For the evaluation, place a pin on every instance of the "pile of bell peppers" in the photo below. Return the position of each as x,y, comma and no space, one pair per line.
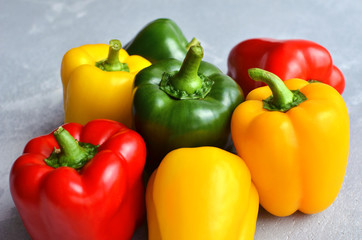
154,113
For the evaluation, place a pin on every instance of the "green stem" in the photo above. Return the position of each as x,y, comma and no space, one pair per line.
112,62
193,42
282,99
187,78
188,83
71,153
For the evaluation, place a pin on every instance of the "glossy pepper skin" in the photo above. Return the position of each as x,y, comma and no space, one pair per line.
201,193
285,58
104,199
296,148
160,39
185,104
96,86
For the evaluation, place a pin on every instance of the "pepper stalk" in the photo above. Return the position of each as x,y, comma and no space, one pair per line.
112,63
71,153
187,83
282,98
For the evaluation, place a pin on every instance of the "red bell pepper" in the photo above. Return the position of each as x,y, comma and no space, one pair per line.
59,198
285,58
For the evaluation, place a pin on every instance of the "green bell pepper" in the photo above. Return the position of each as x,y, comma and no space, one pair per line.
183,104
159,40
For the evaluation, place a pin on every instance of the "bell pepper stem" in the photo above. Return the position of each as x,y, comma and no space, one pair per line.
193,42
282,99
114,47
187,78
68,145
71,153
112,62
188,83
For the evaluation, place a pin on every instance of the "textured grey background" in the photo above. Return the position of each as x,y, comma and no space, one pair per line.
35,34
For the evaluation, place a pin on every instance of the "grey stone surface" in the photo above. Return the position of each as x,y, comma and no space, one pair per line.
35,34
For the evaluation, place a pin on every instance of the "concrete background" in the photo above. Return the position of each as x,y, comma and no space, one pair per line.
35,34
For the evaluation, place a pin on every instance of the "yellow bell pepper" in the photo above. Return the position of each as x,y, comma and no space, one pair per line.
295,143
96,86
201,193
